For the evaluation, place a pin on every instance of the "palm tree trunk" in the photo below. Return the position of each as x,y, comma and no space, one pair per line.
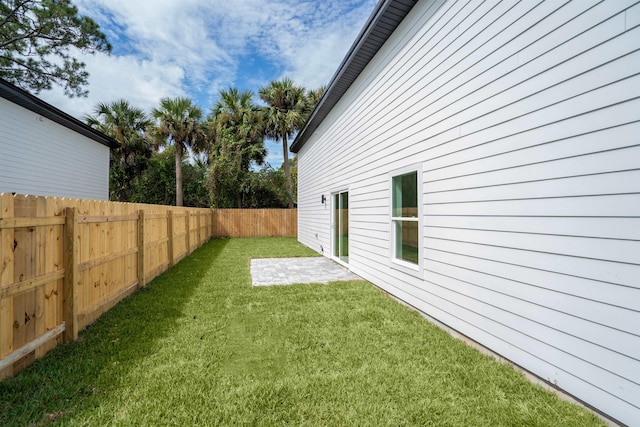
179,152
239,172
287,172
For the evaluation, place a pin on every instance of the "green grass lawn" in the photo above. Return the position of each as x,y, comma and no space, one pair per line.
200,346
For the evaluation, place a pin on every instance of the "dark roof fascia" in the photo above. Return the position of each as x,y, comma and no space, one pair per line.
24,99
371,38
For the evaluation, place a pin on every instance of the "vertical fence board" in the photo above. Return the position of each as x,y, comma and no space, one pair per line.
149,252
141,249
32,260
70,295
187,228
98,240
60,210
22,248
132,241
83,253
52,262
114,270
19,267
170,238
40,269
111,274
6,278
197,229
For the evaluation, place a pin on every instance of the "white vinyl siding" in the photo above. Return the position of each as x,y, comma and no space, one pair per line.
525,118
40,157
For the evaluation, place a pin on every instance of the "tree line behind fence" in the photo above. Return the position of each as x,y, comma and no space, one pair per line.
64,262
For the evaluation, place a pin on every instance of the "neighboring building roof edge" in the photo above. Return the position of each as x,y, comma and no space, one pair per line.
381,24
24,99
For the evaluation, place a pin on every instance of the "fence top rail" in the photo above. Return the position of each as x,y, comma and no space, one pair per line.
24,222
86,219
157,215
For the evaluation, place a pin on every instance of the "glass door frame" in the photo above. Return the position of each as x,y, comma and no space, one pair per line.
338,245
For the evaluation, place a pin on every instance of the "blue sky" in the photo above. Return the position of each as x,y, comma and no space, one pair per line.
194,48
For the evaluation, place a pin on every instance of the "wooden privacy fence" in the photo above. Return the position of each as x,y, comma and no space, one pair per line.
64,262
255,223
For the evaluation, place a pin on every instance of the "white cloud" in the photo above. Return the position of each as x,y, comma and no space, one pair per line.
313,59
308,39
197,47
141,82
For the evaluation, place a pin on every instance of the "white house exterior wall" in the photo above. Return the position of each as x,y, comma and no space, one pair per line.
40,157
525,117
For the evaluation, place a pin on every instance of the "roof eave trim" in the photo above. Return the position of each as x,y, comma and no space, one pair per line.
363,37
24,99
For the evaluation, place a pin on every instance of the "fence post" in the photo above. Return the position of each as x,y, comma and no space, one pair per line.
70,294
141,275
170,237
188,227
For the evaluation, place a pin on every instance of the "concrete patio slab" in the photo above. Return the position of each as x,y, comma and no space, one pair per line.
287,271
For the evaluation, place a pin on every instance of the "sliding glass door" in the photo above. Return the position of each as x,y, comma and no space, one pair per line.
340,225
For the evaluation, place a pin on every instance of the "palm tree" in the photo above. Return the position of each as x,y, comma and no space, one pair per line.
236,111
286,113
126,124
313,96
179,124
238,127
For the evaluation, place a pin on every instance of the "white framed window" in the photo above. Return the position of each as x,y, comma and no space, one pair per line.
340,226
406,222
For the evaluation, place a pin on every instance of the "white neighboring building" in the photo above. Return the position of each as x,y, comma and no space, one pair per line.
481,162
46,152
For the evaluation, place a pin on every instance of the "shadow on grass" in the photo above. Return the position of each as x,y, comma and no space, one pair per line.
76,375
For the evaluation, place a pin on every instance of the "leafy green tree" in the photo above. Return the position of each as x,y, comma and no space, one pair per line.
293,168
238,129
266,189
196,177
287,110
179,123
36,37
262,188
126,124
157,184
225,179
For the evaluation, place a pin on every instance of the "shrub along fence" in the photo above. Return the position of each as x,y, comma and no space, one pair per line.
64,262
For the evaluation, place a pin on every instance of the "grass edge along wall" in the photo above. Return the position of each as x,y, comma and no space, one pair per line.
522,122
64,262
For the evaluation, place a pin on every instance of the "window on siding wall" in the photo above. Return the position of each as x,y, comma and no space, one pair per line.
405,217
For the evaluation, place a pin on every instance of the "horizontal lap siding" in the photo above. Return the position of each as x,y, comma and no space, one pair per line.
525,118
41,157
